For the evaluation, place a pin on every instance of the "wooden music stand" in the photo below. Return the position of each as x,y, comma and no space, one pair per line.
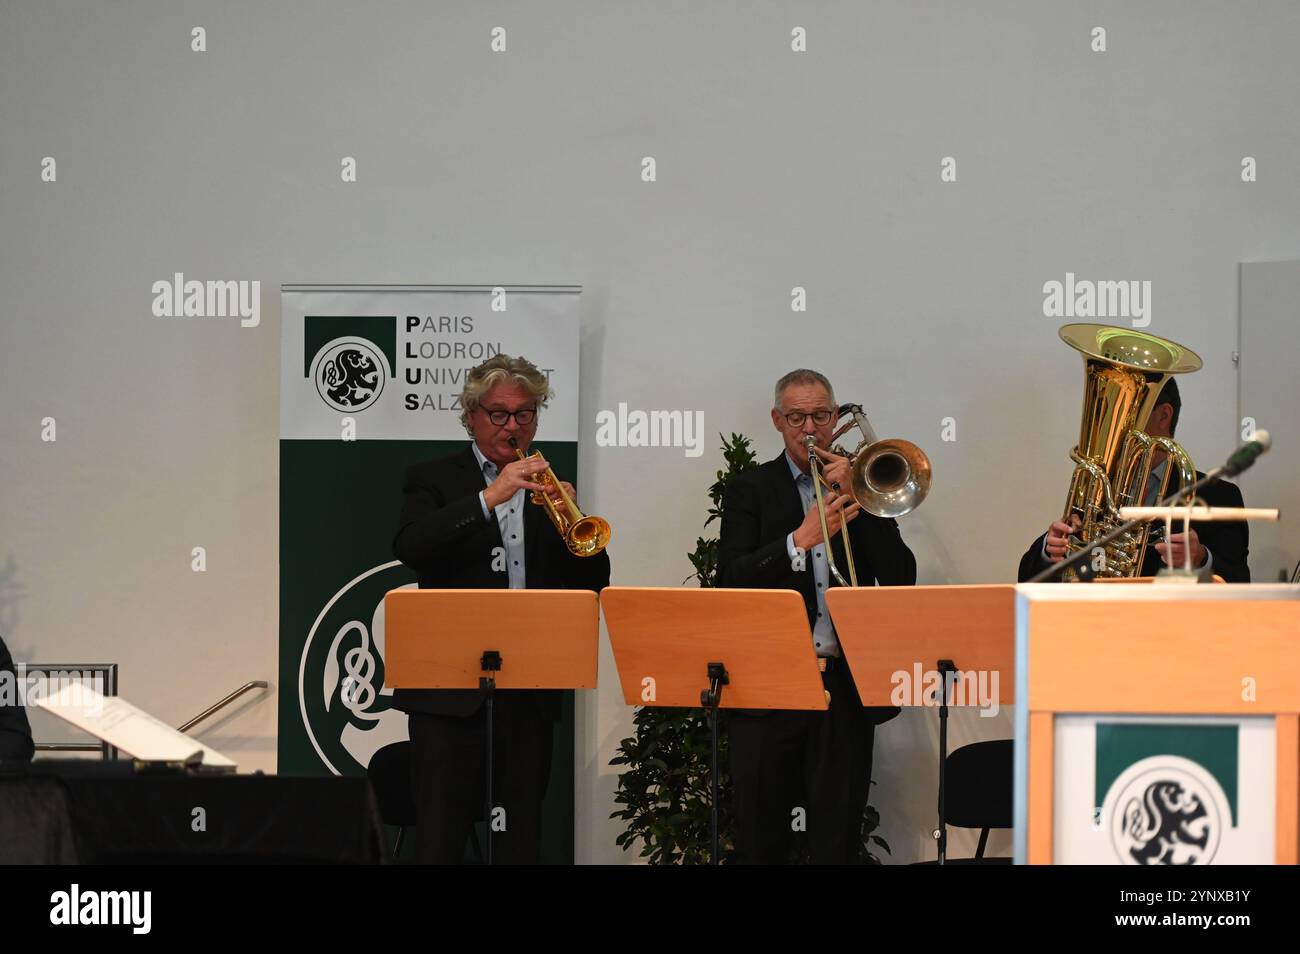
679,647
490,640
912,630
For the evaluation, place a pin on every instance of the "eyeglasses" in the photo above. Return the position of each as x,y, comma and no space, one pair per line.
522,417
820,418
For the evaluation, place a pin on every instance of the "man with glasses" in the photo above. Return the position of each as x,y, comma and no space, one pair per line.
771,538
467,523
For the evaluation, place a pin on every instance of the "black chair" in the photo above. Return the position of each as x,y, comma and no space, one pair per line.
979,784
389,772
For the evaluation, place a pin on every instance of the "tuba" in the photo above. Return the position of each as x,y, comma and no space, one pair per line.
1124,371
890,479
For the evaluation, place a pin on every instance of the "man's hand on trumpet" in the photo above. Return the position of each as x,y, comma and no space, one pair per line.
511,477
568,489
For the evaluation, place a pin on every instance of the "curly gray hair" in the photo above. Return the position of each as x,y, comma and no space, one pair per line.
493,371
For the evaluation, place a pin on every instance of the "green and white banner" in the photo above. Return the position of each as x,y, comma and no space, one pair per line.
370,379
1164,791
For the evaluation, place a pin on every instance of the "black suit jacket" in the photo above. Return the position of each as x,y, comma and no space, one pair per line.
15,731
443,536
760,509
1227,540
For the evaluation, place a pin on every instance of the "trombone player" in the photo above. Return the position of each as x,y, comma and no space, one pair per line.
466,522
772,537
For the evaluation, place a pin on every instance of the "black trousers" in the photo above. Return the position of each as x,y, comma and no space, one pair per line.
448,783
802,771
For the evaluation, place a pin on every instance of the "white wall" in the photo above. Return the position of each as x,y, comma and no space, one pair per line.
775,169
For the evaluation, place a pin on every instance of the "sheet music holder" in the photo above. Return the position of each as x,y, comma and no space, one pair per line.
149,741
715,649
490,640
949,630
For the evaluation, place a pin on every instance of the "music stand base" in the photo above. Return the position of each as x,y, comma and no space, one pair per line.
946,668
490,663
711,699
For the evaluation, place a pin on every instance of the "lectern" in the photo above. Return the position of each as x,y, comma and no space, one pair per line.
1157,724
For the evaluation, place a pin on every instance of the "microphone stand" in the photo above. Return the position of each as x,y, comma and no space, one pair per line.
1079,561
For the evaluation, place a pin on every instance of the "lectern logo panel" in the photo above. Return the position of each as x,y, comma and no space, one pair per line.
1166,810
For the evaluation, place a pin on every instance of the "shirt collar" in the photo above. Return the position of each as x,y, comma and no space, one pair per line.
1158,472
482,461
795,472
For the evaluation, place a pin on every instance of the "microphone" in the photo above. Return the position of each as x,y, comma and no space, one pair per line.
1244,456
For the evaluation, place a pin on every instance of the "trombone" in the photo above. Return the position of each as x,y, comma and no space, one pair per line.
818,481
584,535
890,479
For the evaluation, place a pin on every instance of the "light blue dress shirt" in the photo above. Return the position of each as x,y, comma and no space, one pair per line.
824,639
510,518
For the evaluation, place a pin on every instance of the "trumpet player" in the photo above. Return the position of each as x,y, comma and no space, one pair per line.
466,522
772,537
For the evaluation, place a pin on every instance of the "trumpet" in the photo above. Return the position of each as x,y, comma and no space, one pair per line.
584,535
890,478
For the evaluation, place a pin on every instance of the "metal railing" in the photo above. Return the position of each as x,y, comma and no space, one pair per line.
246,687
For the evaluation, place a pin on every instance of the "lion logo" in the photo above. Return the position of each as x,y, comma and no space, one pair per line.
1166,810
349,375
